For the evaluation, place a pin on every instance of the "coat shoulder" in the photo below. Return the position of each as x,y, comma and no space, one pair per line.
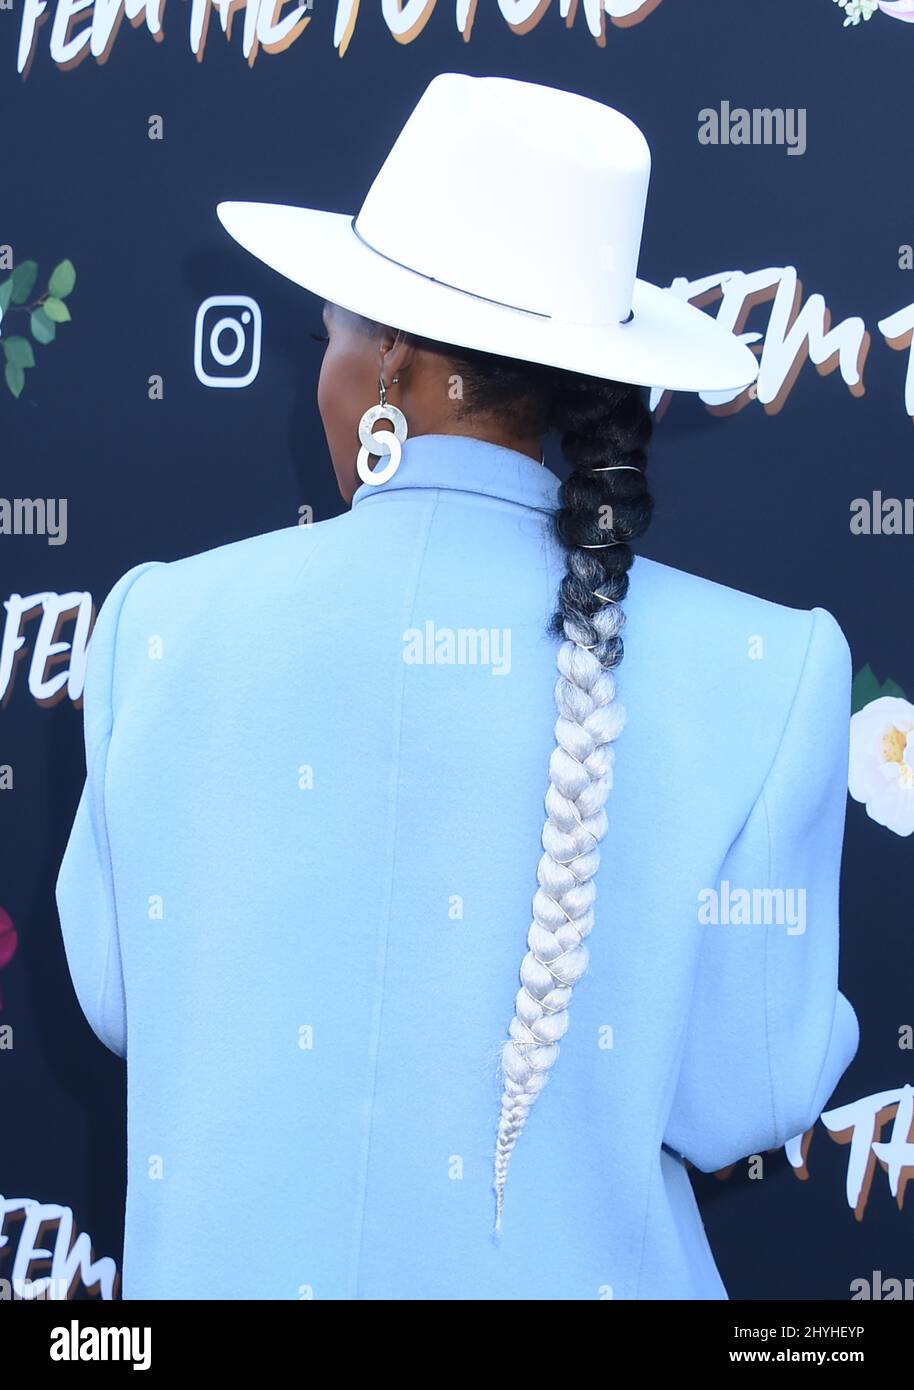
683,592
721,686
732,664
687,610
262,561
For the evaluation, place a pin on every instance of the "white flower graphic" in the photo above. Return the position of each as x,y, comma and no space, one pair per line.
881,772
857,10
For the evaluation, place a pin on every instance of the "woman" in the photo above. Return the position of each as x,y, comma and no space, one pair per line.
297,889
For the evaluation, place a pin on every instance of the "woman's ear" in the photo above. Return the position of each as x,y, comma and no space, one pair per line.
395,354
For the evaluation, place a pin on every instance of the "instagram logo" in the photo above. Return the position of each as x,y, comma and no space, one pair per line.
227,336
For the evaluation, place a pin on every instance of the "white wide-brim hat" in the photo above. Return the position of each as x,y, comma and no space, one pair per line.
507,217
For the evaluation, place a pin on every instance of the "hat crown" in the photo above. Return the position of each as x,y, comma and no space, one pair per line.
527,195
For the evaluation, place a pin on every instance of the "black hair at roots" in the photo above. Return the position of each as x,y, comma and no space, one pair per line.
601,424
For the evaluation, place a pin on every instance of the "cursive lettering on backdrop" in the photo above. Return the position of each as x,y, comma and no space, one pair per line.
79,29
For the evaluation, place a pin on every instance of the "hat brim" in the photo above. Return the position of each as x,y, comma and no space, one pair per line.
668,343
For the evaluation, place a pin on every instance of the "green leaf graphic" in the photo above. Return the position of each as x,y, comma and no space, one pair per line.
15,378
63,278
866,688
43,330
23,278
18,351
43,318
56,310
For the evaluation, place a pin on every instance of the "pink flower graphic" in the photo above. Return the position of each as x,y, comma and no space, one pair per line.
8,941
898,9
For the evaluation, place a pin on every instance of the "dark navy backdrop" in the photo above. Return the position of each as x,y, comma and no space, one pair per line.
757,499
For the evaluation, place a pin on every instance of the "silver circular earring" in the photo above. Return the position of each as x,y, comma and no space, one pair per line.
388,442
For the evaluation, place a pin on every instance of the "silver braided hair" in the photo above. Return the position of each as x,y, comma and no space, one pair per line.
605,428
580,777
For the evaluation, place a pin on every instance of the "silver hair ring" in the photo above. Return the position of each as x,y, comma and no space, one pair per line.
570,920
583,827
564,984
616,468
567,863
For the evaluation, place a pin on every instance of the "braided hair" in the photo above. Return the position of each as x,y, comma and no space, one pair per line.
604,427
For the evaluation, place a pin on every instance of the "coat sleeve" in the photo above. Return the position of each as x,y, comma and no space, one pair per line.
85,886
769,1033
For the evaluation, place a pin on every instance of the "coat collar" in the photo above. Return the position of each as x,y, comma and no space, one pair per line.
460,463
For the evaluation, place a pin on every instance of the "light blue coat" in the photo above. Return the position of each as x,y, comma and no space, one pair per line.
297,893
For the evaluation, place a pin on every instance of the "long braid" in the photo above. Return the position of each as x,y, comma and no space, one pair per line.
605,430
